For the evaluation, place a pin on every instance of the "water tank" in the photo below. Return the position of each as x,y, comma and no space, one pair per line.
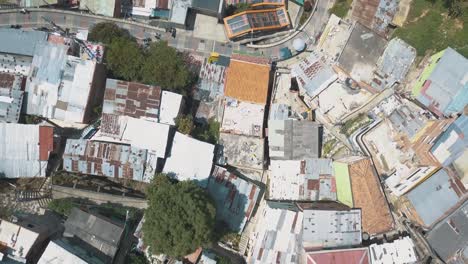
299,44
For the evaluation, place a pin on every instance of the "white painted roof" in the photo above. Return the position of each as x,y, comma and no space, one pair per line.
19,240
55,254
190,159
400,251
170,107
402,181
242,118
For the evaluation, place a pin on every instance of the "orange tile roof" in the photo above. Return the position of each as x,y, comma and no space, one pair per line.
368,195
247,81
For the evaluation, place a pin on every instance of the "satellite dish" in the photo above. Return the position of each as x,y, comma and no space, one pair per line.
299,44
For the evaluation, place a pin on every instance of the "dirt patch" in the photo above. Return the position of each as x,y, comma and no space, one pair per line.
423,14
458,24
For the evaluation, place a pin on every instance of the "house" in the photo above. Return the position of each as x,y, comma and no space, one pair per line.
442,87
276,237
449,237
241,151
358,186
108,8
338,256
443,191
375,14
25,150
302,180
248,79
105,159
11,97
210,81
401,182
243,118
293,139
171,104
132,99
72,251
235,197
399,251
62,87
18,48
20,241
313,74
96,231
326,229
256,21
185,164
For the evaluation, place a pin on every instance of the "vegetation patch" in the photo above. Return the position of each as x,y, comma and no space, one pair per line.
341,8
433,25
350,126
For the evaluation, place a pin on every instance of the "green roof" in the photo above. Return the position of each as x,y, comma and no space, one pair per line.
343,183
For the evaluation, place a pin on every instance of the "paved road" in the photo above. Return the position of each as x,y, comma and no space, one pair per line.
183,41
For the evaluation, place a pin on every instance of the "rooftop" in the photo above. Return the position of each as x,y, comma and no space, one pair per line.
256,20
170,107
256,2
15,64
442,191
340,256
95,231
313,74
11,97
138,133
18,240
56,253
59,85
276,237
324,229
132,99
247,81
368,195
183,164
449,238
453,142
21,42
235,197
334,37
401,182
376,14
302,180
24,150
361,53
178,10
399,251
99,7
408,120
443,85
242,151
242,118
104,159
293,139
211,81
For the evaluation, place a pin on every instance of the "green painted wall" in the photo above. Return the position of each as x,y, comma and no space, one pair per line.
427,73
343,183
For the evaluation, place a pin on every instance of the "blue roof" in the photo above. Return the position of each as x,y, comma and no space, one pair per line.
434,197
20,42
457,147
447,86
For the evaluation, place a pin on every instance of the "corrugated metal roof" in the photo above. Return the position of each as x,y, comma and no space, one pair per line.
211,82
20,42
408,120
449,238
132,99
11,97
179,10
453,142
445,91
104,159
235,197
302,180
331,229
313,74
440,191
276,238
293,139
20,151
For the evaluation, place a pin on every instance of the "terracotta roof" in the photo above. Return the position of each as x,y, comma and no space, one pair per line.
368,195
247,81
46,142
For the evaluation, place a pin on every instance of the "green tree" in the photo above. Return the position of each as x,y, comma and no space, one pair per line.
165,66
136,258
124,59
184,124
106,32
179,219
208,133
